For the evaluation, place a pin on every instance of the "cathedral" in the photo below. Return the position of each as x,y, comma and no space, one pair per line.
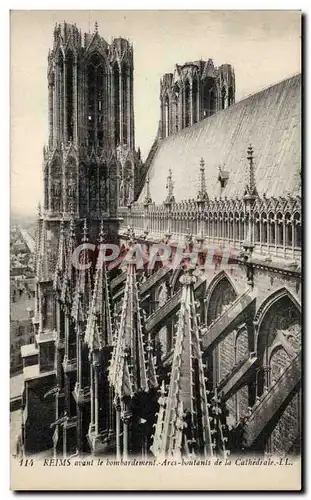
197,354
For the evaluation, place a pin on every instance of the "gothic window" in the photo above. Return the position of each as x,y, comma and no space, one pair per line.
96,82
116,86
187,104
237,226
288,230
242,236
176,101
230,96
225,226
281,323
280,230
264,228
69,94
256,227
221,296
195,100
61,93
297,229
125,89
166,117
223,98
230,225
209,97
272,228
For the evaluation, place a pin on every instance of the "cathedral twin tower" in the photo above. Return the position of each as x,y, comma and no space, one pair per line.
90,166
91,151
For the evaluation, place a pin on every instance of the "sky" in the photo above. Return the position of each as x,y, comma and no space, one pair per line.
262,46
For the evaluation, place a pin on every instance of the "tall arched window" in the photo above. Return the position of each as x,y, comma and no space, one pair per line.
264,228
288,230
187,105
96,95
69,94
223,98
272,228
125,102
297,229
195,100
166,116
230,96
116,86
256,227
209,97
280,229
61,94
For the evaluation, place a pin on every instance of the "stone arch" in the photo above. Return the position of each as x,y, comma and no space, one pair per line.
225,283
220,293
278,323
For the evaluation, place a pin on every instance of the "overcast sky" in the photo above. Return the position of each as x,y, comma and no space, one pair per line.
263,47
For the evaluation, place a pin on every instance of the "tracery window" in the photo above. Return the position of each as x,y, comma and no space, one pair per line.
187,105
116,86
297,229
272,228
288,230
96,81
264,228
69,94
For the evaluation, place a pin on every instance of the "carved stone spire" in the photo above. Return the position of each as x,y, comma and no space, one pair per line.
99,326
70,270
183,427
202,193
83,286
131,369
250,189
170,189
148,198
61,260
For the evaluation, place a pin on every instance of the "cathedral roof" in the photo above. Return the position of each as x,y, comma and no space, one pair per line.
269,120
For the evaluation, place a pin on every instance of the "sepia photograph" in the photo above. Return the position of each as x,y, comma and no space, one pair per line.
155,250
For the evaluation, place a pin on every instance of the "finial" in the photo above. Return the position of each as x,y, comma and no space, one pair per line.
84,236
202,194
39,210
251,187
170,188
148,198
96,28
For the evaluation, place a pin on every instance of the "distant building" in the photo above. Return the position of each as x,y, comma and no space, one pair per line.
193,92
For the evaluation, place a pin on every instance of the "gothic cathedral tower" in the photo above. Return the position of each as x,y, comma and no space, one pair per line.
90,169
90,163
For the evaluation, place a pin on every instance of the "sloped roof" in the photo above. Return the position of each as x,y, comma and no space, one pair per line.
270,120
